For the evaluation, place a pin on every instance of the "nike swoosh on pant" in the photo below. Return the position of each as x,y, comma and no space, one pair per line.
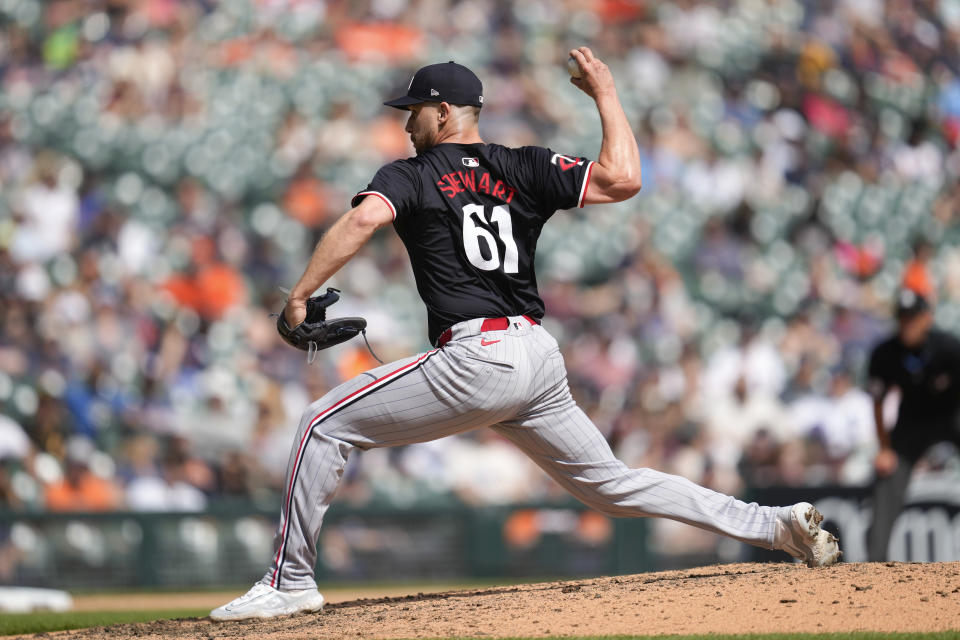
485,343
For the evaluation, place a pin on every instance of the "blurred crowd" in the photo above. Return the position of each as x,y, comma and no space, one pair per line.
167,165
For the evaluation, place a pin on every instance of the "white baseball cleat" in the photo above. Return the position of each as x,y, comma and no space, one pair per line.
263,601
803,538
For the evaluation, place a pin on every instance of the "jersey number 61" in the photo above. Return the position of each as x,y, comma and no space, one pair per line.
472,232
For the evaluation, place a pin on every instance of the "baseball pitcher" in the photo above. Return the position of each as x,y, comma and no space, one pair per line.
470,213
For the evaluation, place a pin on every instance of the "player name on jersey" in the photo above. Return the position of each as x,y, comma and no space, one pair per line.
476,181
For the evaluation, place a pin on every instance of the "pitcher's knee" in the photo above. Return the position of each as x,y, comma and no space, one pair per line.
316,427
335,432
615,495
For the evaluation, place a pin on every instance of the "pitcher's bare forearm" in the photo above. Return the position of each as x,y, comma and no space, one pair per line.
335,249
883,437
619,153
616,172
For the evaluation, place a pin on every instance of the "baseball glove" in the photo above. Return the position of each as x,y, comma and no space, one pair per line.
316,333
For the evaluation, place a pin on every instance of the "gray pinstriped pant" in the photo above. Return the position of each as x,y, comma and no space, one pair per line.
513,381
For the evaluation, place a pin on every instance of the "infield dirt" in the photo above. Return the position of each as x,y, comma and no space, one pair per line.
737,598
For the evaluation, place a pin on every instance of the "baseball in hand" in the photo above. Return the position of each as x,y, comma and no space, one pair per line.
574,67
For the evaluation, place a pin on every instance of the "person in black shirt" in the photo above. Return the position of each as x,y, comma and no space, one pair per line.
923,364
470,213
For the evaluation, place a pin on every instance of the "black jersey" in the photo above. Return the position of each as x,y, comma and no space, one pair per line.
470,216
929,381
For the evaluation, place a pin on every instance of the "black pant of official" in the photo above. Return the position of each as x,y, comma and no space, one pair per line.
889,496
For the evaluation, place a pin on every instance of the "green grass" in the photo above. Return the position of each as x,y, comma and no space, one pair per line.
16,623
27,623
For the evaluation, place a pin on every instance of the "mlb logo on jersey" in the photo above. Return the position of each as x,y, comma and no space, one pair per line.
565,162
470,162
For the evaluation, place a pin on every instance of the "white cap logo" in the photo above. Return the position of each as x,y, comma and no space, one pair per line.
411,83
434,92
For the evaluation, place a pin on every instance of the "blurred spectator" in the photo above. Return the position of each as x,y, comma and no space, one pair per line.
754,363
484,468
234,479
760,464
8,497
306,198
48,211
140,459
81,489
14,443
849,426
209,287
171,490
916,275
193,469
737,418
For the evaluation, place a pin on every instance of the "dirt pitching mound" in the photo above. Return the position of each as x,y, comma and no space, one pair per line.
737,598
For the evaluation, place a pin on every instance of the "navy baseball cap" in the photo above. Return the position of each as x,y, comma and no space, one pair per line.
444,82
909,304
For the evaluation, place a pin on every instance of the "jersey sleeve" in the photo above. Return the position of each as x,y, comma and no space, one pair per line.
559,181
397,184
